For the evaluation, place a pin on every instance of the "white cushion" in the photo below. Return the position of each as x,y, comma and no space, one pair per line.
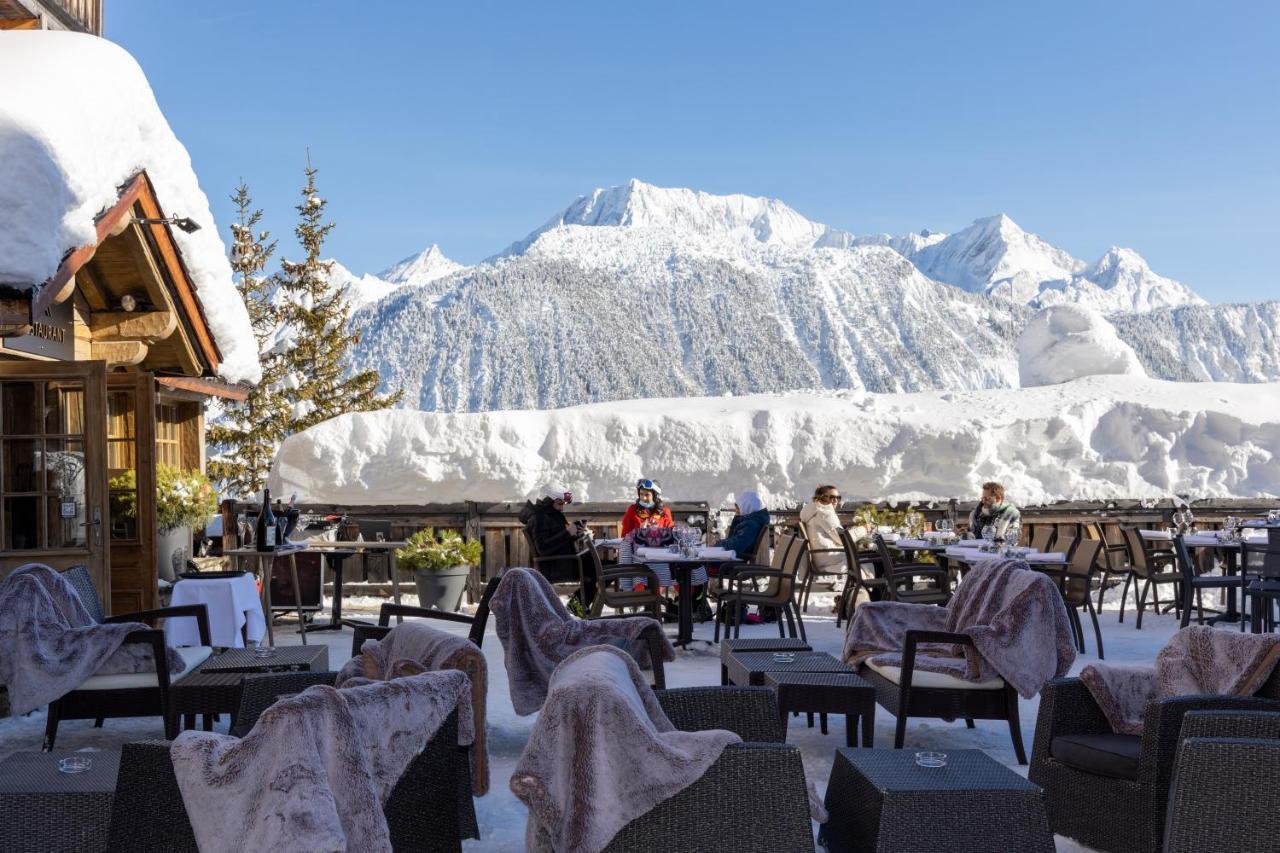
192,657
922,678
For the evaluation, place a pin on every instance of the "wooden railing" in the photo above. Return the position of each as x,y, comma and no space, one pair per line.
498,527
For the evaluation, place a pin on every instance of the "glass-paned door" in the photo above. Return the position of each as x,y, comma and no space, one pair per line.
52,471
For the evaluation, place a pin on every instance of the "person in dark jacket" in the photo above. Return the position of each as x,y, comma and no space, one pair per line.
552,535
745,529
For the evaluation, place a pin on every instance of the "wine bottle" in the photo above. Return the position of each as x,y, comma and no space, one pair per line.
265,533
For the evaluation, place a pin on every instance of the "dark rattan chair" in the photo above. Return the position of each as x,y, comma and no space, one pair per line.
1224,794
876,587
609,589
1260,561
430,808
901,579
1147,568
1110,791
752,799
1192,582
128,695
779,589
843,570
904,693
1075,580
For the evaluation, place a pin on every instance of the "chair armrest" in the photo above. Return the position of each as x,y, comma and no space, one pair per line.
260,692
389,610
1231,724
361,631
199,611
1066,708
1162,728
754,574
913,638
1223,795
749,712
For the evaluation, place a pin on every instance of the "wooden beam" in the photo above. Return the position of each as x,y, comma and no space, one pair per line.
31,23
119,353
208,387
146,326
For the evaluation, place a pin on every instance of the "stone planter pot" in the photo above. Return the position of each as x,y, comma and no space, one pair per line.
173,549
441,589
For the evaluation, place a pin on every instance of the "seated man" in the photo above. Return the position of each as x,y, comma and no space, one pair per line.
553,535
994,513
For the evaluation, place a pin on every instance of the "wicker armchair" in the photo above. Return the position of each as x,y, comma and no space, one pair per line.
609,589
143,694
1110,791
430,808
752,799
1226,758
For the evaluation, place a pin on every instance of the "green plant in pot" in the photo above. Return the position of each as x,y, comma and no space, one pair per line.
184,500
441,563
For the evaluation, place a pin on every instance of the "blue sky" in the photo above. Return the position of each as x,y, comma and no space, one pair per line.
1148,125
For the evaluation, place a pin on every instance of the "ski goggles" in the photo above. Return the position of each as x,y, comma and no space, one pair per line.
646,484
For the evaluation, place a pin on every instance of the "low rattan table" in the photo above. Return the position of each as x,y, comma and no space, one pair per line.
776,644
828,693
881,800
747,669
214,688
45,811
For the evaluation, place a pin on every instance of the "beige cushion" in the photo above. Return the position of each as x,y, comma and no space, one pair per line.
922,678
192,657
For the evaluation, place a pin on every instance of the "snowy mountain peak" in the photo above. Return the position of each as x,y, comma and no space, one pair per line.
740,218
426,266
1121,280
361,289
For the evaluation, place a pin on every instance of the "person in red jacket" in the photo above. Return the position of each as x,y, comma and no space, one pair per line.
648,510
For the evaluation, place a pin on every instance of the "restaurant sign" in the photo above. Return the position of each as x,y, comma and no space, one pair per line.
51,335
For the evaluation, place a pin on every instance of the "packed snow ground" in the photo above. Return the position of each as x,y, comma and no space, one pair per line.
78,120
502,816
1095,438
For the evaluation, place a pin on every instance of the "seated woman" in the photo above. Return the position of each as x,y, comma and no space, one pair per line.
749,522
648,509
553,535
823,526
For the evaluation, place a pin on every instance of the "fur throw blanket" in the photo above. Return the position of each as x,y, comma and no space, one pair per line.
49,644
1198,660
537,633
415,647
313,774
1015,616
602,753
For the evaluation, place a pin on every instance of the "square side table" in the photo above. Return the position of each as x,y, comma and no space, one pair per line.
881,800
828,693
43,810
748,668
778,644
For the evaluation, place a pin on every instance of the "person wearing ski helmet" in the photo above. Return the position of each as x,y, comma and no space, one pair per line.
648,509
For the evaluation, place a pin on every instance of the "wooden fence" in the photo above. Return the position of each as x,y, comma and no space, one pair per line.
498,527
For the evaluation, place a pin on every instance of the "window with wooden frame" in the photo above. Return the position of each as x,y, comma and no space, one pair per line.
169,419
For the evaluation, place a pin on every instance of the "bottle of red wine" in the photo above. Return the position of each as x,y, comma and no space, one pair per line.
265,532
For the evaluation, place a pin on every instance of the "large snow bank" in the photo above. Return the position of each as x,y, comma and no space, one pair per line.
1065,342
1094,438
77,120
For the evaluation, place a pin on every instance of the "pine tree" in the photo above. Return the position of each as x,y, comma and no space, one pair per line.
248,432
317,317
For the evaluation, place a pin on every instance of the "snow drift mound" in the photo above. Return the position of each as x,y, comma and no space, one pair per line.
1065,342
1095,438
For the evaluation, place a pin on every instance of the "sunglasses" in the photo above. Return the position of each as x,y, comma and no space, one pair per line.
828,498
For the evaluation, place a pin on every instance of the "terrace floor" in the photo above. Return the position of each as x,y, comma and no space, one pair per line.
502,817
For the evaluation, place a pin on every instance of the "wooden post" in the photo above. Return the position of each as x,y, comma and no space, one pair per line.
230,526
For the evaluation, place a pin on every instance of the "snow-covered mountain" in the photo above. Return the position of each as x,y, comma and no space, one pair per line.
641,291
360,289
423,268
602,313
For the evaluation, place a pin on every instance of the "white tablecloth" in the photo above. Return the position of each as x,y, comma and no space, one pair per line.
232,603
1035,557
1202,540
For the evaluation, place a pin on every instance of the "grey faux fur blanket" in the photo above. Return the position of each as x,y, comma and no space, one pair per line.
49,644
313,774
603,753
415,647
1015,616
537,633
1197,660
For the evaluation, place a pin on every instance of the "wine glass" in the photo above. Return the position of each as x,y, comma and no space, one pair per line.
989,536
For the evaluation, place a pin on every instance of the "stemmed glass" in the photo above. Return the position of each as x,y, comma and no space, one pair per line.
989,535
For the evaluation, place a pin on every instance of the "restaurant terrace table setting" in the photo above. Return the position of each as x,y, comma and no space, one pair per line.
233,604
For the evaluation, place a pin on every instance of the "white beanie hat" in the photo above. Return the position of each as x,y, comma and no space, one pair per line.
556,492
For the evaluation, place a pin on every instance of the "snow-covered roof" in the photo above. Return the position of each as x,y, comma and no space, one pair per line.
77,120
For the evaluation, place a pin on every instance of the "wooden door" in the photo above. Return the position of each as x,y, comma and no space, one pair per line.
53,476
131,467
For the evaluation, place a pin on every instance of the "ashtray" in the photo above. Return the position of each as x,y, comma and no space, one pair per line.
264,652
931,759
74,764
784,657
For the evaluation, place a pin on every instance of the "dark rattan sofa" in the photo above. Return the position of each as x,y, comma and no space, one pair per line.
1110,791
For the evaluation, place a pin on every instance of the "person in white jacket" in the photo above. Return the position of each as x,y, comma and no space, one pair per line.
823,526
